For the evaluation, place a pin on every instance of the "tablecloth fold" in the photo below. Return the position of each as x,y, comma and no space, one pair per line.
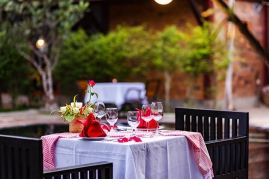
48,142
201,155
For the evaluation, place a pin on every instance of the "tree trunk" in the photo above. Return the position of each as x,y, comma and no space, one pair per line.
45,71
167,85
190,91
1,101
47,83
229,74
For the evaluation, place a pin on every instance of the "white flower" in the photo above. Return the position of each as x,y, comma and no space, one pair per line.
76,110
63,109
89,110
78,104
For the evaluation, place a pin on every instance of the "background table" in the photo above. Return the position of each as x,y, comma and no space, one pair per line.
115,93
155,158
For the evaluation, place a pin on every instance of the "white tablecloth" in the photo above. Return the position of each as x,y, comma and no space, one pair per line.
115,92
155,158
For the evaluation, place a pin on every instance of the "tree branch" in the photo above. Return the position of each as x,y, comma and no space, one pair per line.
29,58
196,12
56,58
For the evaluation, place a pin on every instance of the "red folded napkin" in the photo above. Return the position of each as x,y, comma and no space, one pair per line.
152,124
92,128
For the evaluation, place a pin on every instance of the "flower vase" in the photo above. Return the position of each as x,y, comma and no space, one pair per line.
74,126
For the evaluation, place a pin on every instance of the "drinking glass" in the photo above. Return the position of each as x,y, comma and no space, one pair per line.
146,115
112,117
133,120
157,112
99,110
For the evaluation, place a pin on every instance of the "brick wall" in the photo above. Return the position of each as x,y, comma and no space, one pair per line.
248,66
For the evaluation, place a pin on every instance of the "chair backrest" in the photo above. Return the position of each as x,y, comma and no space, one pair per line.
226,135
81,85
152,87
20,157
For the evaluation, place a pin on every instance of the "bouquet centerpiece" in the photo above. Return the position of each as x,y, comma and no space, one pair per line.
78,111
70,111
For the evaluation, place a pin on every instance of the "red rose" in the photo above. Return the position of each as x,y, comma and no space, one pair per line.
91,83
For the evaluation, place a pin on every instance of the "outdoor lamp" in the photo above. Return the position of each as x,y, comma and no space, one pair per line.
163,2
40,43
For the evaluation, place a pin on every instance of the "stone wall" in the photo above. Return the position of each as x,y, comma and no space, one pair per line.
258,153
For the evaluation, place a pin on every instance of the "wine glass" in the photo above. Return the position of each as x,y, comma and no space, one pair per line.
133,120
146,115
99,110
157,112
111,117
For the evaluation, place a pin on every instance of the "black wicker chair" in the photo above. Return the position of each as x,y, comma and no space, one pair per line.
152,87
226,135
22,158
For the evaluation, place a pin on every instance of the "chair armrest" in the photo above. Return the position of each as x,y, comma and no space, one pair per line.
219,142
105,169
133,89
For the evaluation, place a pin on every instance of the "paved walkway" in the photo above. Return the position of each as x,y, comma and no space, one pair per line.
259,118
28,117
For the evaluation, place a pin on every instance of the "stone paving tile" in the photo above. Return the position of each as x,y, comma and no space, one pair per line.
258,117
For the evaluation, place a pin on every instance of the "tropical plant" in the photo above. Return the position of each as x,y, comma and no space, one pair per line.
167,56
205,53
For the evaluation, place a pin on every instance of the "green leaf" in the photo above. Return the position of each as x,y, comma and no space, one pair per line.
70,118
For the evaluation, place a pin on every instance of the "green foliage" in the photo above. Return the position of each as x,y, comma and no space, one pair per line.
25,21
194,52
119,54
167,49
31,18
14,72
197,52
130,52
204,53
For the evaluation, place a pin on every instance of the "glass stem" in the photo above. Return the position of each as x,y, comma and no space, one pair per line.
90,95
157,128
147,127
